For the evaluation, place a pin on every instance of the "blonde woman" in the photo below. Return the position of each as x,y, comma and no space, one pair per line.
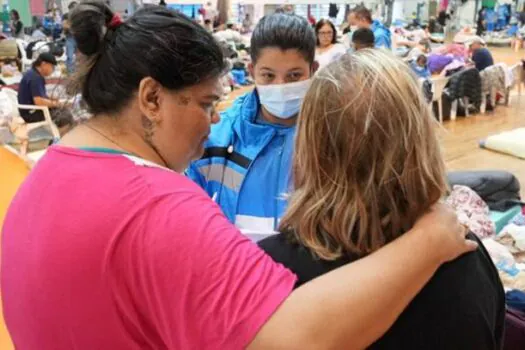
367,165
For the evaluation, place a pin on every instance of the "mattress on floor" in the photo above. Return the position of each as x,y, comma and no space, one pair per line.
509,142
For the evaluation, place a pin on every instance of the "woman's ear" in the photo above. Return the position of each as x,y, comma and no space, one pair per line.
149,98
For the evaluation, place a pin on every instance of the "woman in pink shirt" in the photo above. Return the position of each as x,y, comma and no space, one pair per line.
107,246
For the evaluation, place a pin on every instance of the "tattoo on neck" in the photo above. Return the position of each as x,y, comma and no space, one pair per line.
148,129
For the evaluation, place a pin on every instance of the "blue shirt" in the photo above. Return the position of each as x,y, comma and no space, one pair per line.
482,58
32,85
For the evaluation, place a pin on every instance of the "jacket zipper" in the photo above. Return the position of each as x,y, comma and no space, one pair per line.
278,182
248,170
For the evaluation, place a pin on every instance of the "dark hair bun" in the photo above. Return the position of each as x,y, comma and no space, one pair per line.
89,22
154,42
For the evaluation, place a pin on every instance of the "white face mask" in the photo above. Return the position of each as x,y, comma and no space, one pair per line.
283,100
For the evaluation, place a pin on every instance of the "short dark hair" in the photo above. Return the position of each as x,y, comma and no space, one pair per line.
322,23
422,58
154,42
286,32
364,37
44,57
362,12
229,26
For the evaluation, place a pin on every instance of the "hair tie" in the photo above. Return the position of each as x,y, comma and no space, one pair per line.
115,22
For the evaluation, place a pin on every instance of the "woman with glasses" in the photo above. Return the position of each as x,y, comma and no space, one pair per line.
328,49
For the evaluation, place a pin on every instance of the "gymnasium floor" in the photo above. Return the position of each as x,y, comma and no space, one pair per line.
460,138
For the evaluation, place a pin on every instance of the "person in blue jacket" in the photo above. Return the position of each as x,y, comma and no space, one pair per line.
361,17
247,161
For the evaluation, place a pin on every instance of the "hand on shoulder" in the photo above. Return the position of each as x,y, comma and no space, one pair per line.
443,233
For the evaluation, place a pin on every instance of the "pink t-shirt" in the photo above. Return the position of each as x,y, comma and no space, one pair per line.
100,251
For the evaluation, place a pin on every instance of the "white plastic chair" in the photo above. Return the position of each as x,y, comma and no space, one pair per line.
517,74
438,85
25,62
20,129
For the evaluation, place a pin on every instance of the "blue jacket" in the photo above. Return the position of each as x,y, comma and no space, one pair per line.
383,37
246,166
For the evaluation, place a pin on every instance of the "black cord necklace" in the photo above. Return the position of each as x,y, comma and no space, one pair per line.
107,138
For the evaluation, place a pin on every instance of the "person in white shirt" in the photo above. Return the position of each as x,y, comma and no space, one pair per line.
328,49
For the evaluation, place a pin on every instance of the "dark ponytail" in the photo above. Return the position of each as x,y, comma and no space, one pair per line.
155,42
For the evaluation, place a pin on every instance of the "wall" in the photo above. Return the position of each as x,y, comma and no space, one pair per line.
22,6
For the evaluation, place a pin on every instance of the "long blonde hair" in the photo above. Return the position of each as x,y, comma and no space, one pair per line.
367,160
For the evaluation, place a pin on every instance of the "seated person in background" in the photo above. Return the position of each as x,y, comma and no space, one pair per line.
480,55
380,170
38,33
247,159
421,48
361,17
420,67
32,91
328,49
363,38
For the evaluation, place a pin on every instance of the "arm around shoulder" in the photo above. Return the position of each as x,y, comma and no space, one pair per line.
353,297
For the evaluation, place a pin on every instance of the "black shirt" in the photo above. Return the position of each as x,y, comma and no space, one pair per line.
461,308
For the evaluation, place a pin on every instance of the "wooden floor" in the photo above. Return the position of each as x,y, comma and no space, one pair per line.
460,138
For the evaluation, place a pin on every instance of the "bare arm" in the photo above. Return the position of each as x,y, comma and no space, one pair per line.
356,304
47,102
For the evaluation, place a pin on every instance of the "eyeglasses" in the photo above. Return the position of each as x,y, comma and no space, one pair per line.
326,33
